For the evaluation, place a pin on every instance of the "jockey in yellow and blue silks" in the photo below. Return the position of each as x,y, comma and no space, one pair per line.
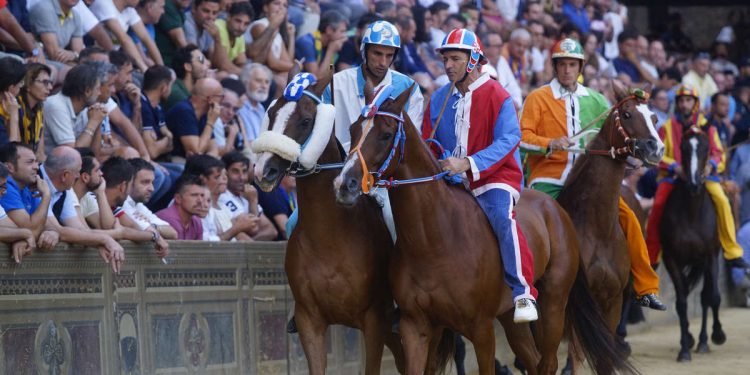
479,123
687,114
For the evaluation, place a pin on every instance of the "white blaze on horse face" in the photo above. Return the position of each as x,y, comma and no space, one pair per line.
648,116
282,117
351,162
260,165
694,161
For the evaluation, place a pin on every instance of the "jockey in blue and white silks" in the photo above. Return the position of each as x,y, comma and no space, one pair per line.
380,45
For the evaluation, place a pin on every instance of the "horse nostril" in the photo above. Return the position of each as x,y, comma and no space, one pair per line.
351,184
651,145
271,173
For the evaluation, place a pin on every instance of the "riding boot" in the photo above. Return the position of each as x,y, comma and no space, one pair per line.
652,302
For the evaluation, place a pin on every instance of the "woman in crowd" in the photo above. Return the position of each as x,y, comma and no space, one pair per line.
281,56
37,84
11,81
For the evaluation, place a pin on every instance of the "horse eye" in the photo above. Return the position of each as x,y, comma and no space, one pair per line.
626,115
306,122
386,136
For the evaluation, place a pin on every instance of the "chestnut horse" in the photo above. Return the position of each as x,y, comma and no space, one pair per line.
690,243
447,272
336,258
592,191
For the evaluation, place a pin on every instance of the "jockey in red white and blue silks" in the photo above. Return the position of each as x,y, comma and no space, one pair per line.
482,126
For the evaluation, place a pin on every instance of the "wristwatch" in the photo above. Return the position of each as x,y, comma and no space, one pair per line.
35,52
154,236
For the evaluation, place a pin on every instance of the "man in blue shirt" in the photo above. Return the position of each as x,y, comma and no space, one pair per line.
192,120
319,49
628,62
26,208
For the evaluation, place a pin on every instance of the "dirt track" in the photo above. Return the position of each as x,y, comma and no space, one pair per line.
655,347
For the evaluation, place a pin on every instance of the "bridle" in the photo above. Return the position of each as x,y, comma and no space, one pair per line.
631,144
373,179
369,178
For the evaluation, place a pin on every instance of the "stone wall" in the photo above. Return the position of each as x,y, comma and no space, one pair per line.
213,309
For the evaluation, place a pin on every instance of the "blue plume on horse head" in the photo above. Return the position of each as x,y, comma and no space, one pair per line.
296,87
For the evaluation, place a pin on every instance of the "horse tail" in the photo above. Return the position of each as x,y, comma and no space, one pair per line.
585,319
445,350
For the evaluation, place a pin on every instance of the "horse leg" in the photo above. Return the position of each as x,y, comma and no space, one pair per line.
706,296
718,336
483,338
373,330
393,342
521,341
415,336
549,328
681,291
312,334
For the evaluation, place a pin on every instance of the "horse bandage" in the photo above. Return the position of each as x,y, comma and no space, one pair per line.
321,134
277,143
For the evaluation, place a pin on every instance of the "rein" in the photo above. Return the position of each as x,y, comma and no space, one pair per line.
630,147
372,179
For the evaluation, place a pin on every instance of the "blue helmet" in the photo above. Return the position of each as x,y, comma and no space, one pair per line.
381,33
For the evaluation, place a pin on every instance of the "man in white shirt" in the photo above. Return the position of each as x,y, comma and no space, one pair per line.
60,171
493,47
242,198
119,16
140,193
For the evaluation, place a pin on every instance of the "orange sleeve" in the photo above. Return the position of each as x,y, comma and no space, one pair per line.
532,138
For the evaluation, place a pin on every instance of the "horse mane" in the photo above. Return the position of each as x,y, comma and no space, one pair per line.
390,105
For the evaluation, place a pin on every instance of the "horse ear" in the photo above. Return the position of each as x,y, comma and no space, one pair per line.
619,88
296,68
368,91
647,87
401,100
323,82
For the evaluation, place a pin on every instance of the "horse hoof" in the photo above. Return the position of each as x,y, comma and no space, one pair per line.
718,337
702,348
623,347
518,365
684,356
691,341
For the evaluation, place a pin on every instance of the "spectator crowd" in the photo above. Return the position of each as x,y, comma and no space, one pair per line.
133,119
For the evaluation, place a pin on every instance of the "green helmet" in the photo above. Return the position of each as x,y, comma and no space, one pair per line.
569,48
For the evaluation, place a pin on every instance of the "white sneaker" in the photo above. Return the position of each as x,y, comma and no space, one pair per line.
525,311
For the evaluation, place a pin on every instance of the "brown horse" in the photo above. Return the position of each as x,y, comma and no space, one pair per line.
690,243
447,272
336,258
592,190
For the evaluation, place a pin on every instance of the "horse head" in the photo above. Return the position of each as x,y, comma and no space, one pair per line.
296,129
694,150
377,136
634,123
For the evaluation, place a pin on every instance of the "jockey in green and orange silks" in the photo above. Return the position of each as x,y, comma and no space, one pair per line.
552,117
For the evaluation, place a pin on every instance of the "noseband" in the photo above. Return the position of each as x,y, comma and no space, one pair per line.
631,144
368,177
